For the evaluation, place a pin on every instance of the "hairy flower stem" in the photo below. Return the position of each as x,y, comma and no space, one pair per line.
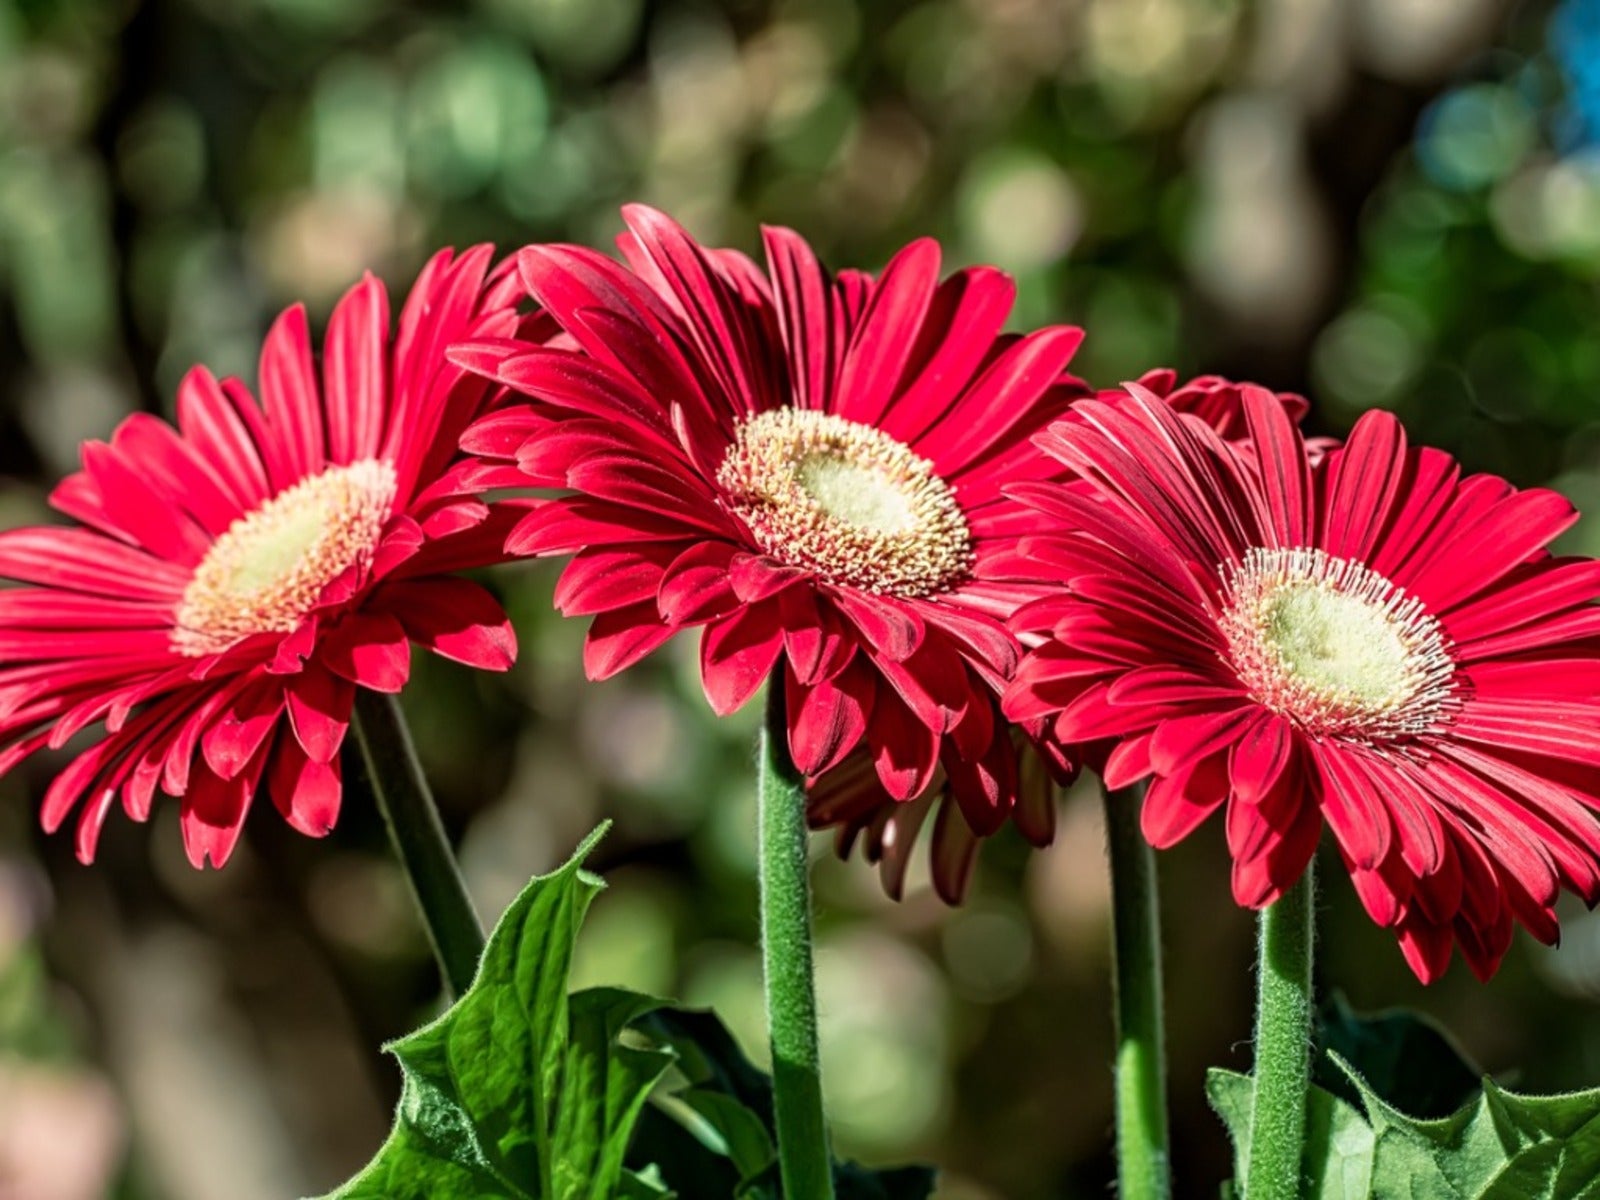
787,962
1283,1045
418,836
1143,1172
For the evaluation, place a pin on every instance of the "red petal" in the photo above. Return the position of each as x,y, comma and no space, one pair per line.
1260,757
985,787
1180,741
455,618
1354,811
239,731
882,346
319,711
213,814
905,751
828,719
355,370
737,654
695,587
306,792
289,391
211,425
1128,763
370,650
1426,948
890,628
621,637
755,577
954,851
1175,805
292,652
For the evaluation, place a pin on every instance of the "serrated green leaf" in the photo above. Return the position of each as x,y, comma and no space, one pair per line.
520,1092
1231,1095
692,1162
852,1181
604,1086
732,1099
1498,1145
515,1091
1405,1057
406,1169
745,1140
1339,1142
709,1057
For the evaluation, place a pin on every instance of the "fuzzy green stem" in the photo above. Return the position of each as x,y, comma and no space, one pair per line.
1283,1045
418,836
1143,1171
803,1154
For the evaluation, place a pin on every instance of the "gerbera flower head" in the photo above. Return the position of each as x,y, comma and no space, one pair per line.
1371,641
808,468
233,580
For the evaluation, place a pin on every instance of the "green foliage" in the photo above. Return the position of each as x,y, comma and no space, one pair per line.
1360,1143
521,1091
1404,1057
1499,1146
518,1091
1339,1144
732,1100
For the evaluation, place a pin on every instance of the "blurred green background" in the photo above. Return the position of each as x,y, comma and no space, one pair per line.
1376,202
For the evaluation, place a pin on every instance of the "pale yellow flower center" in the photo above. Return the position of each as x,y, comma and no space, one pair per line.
1335,646
269,569
847,501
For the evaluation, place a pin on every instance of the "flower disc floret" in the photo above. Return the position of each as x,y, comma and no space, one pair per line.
267,571
1335,646
846,501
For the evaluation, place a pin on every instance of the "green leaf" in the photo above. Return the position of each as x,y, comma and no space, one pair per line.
729,1112
602,1090
644,1185
710,1057
522,1092
691,1160
731,1096
406,1166
1339,1142
516,1091
1361,1143
1499,1146
744,1139
1404,1057
852,1181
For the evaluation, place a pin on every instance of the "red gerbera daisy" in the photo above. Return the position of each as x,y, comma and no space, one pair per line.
241,575
1371,641
809,468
